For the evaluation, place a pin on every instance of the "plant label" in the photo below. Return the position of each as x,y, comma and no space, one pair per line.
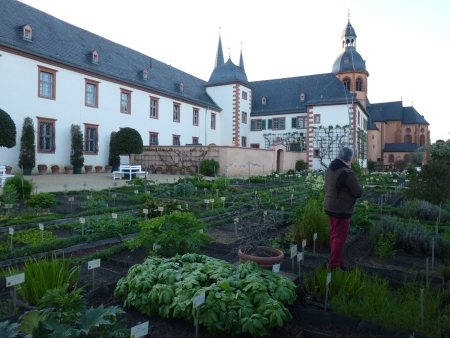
145,211
41,226
71,199
160,208
89,197
265,212
11,231
303,243
276,268
8,206
205,189
139,330
293,251
199,300
200,231
114,216
94,264
16,279
236,220
156,246
82,220
299,256
207,201
223,199
315,236
282,208
328,278
136,192
113,195
211,200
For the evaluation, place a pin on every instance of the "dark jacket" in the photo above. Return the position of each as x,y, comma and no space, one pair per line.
342,189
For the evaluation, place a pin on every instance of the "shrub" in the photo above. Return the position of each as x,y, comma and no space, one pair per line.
15,183
76,150
42,200
113,157
300,165
7,130
128,141
182,189
209,167
356,167
221,183
423,210
27,154
33,236
384,247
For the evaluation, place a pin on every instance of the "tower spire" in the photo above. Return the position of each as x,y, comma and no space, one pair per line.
219,55
241,59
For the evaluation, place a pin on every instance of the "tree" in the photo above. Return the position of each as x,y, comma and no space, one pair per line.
27,155
7,130
438,151
76,150
416,158
128,141
114,156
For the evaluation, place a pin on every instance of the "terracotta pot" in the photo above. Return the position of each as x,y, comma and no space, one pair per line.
177,171
158,170
42,169
108,169
151,170
189,172
98,170
169,171
68,170
55,170
264,262
8,170
88,170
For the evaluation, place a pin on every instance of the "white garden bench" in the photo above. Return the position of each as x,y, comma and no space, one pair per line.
130,170
3,175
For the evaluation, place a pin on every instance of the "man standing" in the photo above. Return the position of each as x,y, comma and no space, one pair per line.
342,189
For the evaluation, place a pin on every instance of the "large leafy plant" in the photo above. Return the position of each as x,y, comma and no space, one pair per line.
239,299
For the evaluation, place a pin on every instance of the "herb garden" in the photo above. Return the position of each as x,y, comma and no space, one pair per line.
98,263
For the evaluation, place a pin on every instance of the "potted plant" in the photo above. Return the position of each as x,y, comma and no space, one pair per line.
68,169
76,151
188,171
151,169
169,170
88,168
113,157
8,169
158,170
42,168
265,256
371,166
55,168
177,170
27,155
98,169
108,169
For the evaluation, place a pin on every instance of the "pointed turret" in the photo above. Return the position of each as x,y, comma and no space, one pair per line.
241,60
219,56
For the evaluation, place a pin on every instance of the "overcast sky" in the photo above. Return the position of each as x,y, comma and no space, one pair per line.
406,43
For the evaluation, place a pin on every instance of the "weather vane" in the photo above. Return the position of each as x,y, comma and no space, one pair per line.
229,52
348,12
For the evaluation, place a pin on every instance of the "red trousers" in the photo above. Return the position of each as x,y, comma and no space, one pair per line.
339,228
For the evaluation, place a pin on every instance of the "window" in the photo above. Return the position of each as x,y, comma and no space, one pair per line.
254,145
316,118
195,140
213,121
154,107
27,32
176,112
407,160
195,117
264,101
244,141
90,139
46,135
244,117
145,74
47,83
408,139
125,101
244,95
181,87
316,153
359,84
294,146
346,82
91,94
257,124
422,140
153,139
302,97
176,140
278,123
95,57
391,158
302,122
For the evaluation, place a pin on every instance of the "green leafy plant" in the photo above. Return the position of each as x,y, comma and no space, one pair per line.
239,299
184,190
8,330
33,236
41,200
176,233
128,141
27,155
114,156
7,130
106,225
94,203
384,247
76,150
300,165
209,167
15,183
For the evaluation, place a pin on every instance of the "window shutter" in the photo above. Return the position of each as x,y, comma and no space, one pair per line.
294,123
269,125
252,124
53,137
282,124
263,124
96,140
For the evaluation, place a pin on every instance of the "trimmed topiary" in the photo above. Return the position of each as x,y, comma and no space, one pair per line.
128,141
7,130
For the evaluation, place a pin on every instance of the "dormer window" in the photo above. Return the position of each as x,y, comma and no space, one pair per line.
95,57
145,74
181,87
264,101
27,32
302,97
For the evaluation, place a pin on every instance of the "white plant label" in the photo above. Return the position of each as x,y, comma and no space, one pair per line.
276,268
94,264
293,251
145,211
114,216
160,208
41,226
200,231
156,246
315,236
303,243
16,279
11,231
82,220
199,300
236,219
136,192
328,278
223,199
139,330
207,201
71,199
299,256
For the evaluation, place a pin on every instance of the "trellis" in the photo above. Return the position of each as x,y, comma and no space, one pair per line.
329,140
295,141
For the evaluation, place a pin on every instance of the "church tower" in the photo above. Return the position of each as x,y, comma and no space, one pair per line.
350,67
